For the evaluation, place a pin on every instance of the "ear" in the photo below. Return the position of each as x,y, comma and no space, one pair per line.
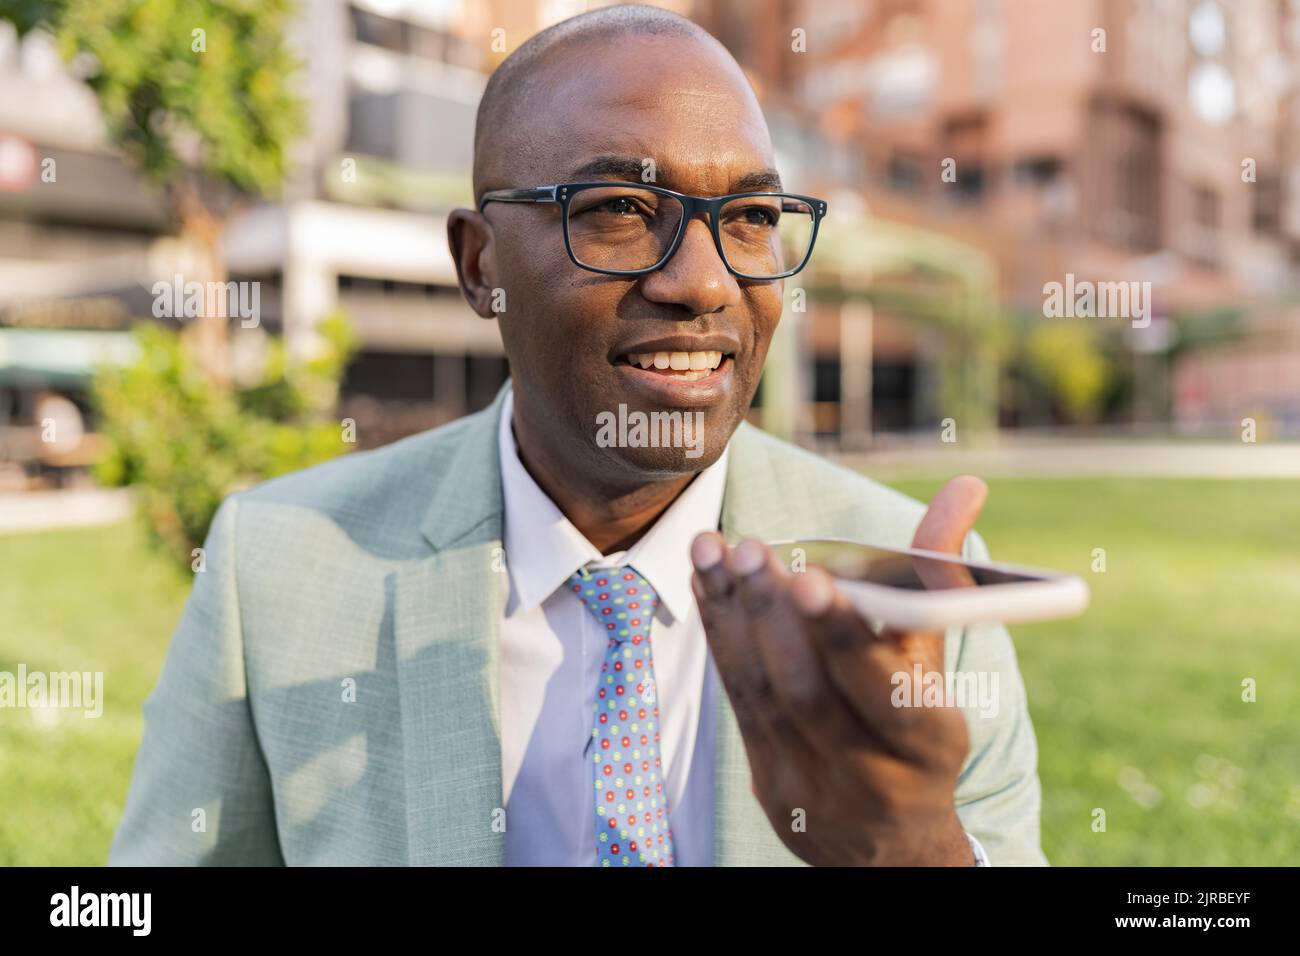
473,247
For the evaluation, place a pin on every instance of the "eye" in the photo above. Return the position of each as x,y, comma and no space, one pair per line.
620,205
613,207
758,216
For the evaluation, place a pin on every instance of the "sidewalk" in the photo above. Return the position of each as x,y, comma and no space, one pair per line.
78,508
1084,459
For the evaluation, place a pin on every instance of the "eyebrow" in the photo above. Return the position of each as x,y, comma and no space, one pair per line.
762,179
630,167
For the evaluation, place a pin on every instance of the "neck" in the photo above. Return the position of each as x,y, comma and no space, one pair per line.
611,518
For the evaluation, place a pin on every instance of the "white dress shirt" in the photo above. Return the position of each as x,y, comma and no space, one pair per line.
551,653
552,650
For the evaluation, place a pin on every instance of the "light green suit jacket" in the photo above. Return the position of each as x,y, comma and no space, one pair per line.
331,693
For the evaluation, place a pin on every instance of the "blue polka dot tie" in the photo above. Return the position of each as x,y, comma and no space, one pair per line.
631,803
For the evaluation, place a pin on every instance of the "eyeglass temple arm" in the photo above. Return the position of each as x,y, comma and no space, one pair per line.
535,194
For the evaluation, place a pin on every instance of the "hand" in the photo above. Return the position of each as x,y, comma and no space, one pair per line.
811,687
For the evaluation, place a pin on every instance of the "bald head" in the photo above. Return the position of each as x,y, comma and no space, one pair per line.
618,96
515,103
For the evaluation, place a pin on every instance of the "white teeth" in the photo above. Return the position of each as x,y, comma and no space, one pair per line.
689,365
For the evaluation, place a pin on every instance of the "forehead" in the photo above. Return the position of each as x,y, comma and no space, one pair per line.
678,102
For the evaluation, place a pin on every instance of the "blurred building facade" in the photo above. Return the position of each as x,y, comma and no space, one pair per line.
76,230
1107,139
1115,140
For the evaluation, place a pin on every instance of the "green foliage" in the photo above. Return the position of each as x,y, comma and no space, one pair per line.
172,75
1065,358
185,443
26,15
1208,329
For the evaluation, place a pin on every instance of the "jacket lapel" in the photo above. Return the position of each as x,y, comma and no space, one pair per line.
742,835
753,506
447,611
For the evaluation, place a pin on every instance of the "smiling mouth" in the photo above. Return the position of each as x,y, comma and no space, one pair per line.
686,366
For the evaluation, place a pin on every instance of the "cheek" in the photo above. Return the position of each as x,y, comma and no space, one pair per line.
529,268
557,329
535,287
765,307
768,304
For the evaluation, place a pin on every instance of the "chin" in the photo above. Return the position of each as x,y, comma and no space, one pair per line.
663,442
660,463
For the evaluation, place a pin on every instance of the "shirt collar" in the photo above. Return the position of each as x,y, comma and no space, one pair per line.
543,547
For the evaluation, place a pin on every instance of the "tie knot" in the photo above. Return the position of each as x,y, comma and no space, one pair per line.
620,598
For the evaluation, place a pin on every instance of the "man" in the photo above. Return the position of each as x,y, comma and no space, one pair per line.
486,644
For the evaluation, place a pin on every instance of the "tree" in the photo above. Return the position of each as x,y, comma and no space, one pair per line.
1066,359
196,93
186,443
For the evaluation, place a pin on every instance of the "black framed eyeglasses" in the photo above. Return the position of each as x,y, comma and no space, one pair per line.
627,229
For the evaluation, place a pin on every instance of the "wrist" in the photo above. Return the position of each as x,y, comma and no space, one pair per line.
951,846
937,841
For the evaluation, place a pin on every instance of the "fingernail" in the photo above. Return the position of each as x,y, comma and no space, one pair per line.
811,594
749,556
705,552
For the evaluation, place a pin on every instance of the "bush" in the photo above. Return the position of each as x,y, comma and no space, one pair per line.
1066,359
185,443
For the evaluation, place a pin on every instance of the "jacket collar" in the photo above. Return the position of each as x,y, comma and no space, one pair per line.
447,610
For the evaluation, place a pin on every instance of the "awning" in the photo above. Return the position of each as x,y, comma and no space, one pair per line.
852,243
35,357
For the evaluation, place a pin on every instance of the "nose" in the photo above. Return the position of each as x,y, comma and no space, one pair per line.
695,278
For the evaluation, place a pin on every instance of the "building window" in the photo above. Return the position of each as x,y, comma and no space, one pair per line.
826,380
390,376
904,173
1203,237
1036,173
372,124
1266,211
484,376
966,139
893,391
971,182
378,31
1124,157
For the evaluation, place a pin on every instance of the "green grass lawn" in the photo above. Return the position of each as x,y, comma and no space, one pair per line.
1137,704
84,600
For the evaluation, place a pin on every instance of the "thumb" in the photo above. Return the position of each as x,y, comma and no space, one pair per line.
950,517
952,513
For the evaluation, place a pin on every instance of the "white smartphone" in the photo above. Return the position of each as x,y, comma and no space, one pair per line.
910,589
